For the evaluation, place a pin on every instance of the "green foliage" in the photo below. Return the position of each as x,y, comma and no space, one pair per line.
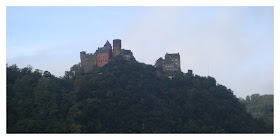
261,107
123,97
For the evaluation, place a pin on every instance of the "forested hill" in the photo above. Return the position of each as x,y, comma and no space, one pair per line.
123,97
261,107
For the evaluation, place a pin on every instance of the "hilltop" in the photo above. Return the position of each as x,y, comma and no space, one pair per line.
261,107
123,97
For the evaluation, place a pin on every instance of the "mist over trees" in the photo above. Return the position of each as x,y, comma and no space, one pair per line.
124,97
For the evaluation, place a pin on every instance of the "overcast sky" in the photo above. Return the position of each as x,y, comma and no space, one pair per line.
233,44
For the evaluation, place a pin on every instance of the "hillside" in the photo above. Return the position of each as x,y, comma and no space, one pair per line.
261,107
123,97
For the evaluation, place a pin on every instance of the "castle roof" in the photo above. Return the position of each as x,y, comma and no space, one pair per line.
173,55
104,49
107,43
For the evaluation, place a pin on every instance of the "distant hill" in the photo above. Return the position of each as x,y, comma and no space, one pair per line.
261,107
123,97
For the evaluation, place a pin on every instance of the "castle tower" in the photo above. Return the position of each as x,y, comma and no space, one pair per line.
107,44
82,55
172,62
108,47
116,47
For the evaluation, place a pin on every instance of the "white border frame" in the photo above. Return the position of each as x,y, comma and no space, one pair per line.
4,3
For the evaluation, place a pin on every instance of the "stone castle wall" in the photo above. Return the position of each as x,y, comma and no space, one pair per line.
88,61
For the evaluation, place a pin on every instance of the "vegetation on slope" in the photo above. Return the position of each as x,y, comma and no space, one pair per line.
123,97
261,107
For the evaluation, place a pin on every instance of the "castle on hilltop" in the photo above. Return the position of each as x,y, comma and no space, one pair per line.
104,55
170,63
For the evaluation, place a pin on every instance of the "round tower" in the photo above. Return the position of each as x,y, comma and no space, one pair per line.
116,47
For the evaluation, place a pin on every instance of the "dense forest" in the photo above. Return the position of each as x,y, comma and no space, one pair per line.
261,107
123,97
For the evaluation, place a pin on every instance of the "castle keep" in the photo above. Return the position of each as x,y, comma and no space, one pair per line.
170,63
104,55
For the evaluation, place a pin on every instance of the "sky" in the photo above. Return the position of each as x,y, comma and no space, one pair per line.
232,44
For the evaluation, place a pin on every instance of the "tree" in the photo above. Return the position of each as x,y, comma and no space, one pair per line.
126,97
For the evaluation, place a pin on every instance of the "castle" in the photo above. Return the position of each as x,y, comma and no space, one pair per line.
170,63
104,55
